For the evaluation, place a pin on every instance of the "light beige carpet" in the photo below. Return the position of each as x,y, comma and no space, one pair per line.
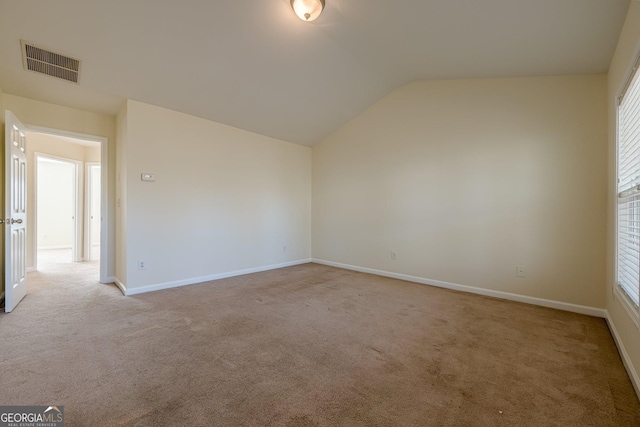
306,346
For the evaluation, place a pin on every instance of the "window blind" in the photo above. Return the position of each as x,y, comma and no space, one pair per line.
629,188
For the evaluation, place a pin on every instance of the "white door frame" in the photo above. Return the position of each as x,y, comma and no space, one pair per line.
88,200
78,183
104,189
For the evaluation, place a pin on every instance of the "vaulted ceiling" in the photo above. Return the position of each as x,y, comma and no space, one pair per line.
254,65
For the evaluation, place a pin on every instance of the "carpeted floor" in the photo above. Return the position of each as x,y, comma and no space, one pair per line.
305,346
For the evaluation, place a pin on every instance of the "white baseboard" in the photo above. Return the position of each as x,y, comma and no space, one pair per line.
626,360
31,269
118,283
582,309
195,280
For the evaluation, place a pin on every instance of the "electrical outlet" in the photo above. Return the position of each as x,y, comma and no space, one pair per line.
394,255
521,271
142,265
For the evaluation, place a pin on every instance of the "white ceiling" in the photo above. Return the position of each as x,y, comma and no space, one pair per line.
254,65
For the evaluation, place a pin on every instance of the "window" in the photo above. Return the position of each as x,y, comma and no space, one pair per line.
628,134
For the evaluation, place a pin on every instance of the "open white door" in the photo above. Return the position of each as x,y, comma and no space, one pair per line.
15,202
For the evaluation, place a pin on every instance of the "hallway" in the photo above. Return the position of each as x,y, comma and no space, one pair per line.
55,269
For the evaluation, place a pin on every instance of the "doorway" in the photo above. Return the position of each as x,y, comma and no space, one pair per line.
57,206
66,202
20,247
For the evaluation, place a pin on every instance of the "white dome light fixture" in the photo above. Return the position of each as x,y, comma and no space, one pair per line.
307,10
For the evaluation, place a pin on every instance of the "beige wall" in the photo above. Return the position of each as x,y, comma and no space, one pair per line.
626,52
467,179
48,144
42,114
224,200
121,194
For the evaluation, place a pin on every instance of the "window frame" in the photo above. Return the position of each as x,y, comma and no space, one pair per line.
619,293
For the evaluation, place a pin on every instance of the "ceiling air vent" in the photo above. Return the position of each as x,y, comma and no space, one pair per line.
53,64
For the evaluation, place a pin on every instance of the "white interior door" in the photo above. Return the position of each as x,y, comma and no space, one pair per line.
15,223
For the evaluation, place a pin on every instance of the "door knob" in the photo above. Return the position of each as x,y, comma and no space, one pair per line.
14,221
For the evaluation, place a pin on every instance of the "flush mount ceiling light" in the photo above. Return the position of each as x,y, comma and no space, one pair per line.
307,10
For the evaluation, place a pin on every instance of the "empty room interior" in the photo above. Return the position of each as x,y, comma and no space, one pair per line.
321,212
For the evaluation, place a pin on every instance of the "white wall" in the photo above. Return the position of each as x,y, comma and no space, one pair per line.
467,179
56,201
52,116
225,199
626,52
121,194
